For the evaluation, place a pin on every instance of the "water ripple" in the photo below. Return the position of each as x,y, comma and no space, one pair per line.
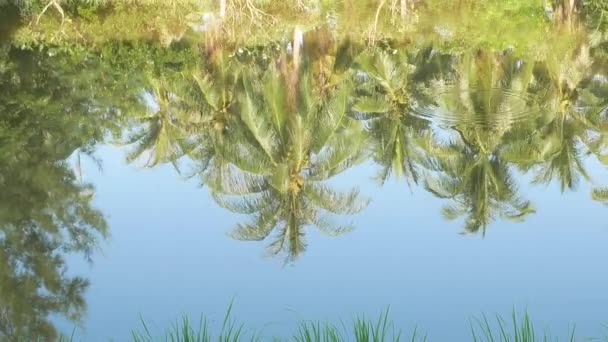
488,107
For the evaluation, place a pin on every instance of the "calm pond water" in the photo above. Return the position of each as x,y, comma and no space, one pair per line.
443,167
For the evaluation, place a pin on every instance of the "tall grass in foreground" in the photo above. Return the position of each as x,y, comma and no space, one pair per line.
184,332
361,329
516,330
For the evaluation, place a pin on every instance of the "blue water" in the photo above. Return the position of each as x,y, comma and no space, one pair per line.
169,255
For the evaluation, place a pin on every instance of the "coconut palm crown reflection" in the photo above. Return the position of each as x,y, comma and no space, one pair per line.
266,134
267,128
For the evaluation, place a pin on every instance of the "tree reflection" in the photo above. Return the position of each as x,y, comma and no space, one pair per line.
46,212
385,100
574,126
267,127
290,140
260,131
471,170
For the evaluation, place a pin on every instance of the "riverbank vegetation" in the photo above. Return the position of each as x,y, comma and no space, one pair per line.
474,22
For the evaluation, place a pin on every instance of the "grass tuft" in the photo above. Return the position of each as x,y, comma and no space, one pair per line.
515,330
184,331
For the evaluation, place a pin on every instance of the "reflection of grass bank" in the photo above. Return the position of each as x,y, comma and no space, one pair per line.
480,23
513,329
488,24
97,26
242,21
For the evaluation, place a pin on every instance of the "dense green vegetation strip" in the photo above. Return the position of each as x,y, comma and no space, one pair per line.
467,23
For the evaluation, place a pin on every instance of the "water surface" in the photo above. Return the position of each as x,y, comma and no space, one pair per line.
311,172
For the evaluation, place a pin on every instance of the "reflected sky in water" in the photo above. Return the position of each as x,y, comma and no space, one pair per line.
402,254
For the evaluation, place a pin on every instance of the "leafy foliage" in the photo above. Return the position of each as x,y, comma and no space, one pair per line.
46,212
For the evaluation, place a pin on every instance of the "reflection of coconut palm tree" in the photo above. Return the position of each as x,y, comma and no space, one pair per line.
490,90
600,195
188,115
216,134
573,125
398,147
159,134
556,151
385,102
561,155
472,171
284,155
479,183
432,66
214,93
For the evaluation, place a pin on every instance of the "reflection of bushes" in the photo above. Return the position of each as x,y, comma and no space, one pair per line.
85,8
498,25
46,212
30,8
596,9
